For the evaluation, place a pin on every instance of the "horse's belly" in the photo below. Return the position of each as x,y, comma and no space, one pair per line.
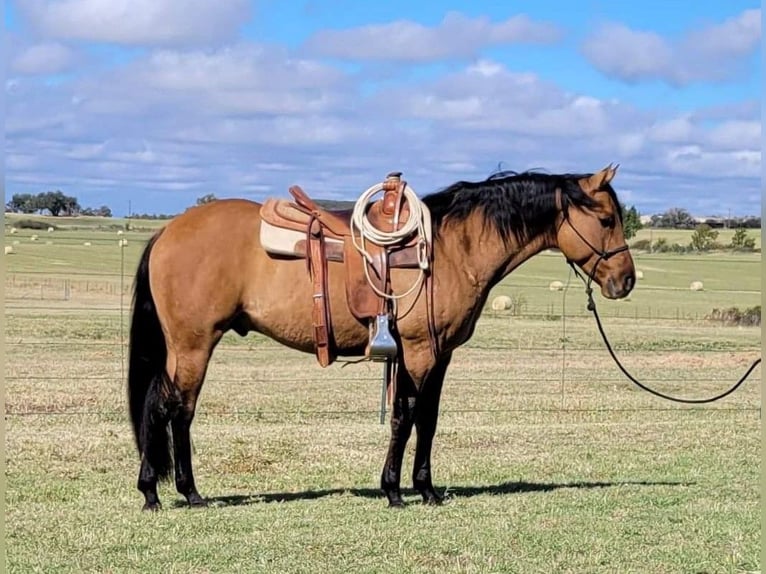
280,305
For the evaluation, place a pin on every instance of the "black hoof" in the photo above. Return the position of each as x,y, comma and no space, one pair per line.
152,507
429,494
196,501
394,499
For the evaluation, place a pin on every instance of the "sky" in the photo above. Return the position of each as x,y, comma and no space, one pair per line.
148,105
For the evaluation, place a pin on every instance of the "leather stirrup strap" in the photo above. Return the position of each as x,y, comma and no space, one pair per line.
320,312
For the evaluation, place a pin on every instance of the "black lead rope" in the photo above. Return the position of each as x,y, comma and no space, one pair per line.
592,308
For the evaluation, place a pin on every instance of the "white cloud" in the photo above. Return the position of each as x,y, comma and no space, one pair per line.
457,36
713,53
250,121
43,59
674,130
736,134
138,22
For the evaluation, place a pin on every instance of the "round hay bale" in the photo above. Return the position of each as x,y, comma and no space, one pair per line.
639,274
696,286
501,303
556,286
87,244
14,230
8,249
119,232
122,242
50,230
33,238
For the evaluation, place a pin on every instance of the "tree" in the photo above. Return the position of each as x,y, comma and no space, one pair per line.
631,221
71,205
22,203
742,241
703,238
54,201
209,198
674,218
103,211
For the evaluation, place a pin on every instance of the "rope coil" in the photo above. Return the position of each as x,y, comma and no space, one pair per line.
418,221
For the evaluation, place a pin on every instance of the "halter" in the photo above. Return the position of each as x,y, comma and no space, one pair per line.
603,254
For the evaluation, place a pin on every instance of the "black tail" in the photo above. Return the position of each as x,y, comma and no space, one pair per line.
149,389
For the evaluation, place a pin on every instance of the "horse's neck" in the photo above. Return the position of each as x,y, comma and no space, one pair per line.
483,256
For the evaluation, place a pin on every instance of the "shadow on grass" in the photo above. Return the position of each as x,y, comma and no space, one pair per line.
451,492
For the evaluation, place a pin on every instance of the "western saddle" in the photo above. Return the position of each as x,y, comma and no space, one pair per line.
303,229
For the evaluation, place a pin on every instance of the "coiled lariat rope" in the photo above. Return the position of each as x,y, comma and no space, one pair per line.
418,221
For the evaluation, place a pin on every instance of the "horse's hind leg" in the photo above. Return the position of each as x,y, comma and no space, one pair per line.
425,424
190,374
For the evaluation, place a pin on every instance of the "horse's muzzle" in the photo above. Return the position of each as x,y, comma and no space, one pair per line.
619,289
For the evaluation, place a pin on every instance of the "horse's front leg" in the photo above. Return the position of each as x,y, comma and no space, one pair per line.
402,419
425,422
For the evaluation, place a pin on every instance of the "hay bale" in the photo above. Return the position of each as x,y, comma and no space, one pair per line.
696,286
87,244
119,232
501,303
639,274
33,238
50,230
8,249
16,242
14,230
122,242
556,286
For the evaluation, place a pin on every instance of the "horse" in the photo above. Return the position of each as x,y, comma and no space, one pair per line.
206,273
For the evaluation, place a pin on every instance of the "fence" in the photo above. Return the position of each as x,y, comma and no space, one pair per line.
106,294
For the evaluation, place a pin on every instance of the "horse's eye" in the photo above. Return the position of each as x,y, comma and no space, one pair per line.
607,222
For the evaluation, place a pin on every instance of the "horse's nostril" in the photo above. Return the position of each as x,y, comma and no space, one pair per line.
629,282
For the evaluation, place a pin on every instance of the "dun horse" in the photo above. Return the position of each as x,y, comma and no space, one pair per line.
206,273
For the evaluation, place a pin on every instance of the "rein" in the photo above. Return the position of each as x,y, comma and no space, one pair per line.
604,255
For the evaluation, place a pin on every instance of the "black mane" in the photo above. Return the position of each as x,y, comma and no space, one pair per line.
522,205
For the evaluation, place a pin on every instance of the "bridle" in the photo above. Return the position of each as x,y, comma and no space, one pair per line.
605,255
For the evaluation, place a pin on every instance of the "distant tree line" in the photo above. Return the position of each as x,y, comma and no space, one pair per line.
678,218
56,203
151,216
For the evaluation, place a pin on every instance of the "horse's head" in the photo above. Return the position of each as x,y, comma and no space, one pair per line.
590,234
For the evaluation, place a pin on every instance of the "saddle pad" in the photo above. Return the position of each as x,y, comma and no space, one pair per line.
281,241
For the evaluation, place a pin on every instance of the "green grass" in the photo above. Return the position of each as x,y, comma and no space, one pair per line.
547,470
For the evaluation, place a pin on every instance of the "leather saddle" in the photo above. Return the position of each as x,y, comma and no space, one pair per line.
300,228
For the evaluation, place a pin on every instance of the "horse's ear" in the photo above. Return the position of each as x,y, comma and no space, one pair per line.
601,178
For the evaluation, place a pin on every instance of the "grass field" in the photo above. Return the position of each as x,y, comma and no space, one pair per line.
552,461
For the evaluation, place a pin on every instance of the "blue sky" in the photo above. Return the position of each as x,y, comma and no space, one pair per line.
152,103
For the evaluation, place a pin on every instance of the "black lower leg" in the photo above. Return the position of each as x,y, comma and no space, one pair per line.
182,454
421,474
402,420
425,422
147,484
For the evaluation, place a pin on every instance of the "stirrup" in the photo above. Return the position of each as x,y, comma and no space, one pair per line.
382,344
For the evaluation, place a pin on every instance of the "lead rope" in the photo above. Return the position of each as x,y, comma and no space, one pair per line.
592,308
